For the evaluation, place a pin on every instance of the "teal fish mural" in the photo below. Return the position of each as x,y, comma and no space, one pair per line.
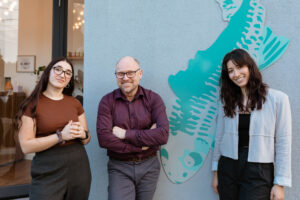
193,113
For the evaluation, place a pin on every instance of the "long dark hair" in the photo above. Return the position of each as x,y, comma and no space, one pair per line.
40,88
231,94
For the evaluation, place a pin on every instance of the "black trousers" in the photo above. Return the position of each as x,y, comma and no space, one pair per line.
61,172
243,180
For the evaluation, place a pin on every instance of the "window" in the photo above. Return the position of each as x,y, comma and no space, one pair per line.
25,41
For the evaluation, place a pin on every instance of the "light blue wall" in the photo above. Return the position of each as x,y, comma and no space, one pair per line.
163,36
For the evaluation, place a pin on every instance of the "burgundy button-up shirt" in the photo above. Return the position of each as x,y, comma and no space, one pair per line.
137,117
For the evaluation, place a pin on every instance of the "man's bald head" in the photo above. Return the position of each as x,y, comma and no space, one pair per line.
128,60
128,75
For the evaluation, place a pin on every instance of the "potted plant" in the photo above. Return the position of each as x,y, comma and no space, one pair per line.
39,71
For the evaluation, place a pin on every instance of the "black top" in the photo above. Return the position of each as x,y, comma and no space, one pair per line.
244,123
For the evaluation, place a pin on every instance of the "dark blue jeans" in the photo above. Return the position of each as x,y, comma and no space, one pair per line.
243,180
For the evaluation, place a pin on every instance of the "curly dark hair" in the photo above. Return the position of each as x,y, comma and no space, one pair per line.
40,88
231,94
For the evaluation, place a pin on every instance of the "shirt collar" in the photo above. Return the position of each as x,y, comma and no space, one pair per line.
120,95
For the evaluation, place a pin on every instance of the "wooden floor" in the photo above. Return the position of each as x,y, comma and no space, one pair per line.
15,173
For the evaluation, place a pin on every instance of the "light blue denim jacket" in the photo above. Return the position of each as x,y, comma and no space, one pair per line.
270,135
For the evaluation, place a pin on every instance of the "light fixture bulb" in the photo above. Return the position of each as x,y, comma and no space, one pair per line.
13,4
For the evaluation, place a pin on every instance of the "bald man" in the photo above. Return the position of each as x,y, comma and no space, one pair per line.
132,124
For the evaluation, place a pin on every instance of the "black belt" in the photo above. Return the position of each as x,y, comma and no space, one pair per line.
135,159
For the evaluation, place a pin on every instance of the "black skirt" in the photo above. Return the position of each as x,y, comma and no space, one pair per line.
61,172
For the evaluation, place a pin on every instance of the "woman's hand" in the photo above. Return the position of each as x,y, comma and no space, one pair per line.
83,125
214,183
277,192
77,130
66,132
72,131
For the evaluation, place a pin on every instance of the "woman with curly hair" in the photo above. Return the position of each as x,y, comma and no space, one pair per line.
52,125
252,155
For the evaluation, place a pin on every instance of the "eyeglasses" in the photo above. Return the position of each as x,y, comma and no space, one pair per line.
58,71
129,74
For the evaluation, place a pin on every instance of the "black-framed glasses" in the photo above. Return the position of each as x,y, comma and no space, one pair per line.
58,71
129,74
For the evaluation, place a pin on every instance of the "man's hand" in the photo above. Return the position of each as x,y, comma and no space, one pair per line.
145,148
152,127
277,192
119,132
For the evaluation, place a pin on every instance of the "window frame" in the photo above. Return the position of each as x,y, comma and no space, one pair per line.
59,49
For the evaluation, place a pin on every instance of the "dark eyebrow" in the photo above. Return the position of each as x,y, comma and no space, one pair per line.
62,68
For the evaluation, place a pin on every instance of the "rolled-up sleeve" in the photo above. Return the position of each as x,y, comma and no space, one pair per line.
152,137
106,138
283,143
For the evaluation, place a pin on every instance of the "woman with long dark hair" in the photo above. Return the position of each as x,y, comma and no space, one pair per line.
252,155
52,125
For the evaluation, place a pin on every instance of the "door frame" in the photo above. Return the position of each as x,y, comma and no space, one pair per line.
59,28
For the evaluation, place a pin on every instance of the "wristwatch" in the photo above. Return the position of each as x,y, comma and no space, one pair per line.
86,135
60,140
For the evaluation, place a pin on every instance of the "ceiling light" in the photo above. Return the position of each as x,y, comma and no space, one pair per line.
13,5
